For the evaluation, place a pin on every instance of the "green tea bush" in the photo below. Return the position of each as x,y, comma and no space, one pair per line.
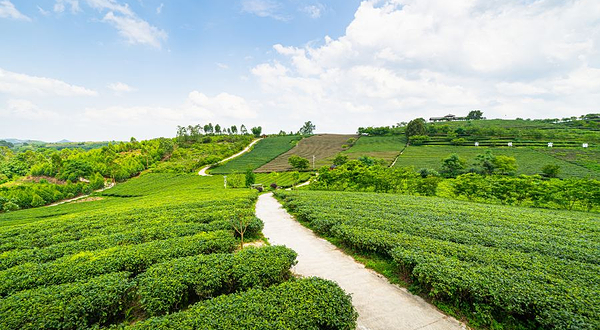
169,285
74,305
134,258
308,304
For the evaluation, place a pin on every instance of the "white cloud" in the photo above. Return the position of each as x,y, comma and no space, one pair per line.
120,88
135,30
223,105
314,11
8,10
43,11
60,6
222,66
160,8
401,59
22,84
24,109
264,8
197,107
129,25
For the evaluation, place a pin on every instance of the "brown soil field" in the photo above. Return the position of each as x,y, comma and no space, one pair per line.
323,146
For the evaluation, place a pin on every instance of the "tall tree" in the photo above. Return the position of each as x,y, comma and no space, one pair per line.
475,114
234,129
416,127
256,131
218,129
243,129
307,129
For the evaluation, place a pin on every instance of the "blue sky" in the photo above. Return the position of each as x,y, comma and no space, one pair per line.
111,69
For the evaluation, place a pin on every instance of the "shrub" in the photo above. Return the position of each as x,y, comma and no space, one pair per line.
310,304
167,286
418,140
298,162
75,305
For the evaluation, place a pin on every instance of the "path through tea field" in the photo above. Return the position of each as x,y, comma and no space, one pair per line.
380,305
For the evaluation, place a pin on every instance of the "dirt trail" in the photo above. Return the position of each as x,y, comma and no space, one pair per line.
112,184
202,172
380,304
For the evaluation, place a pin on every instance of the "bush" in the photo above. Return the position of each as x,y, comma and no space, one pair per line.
133,258
418,140
170,285
298,162
310,304
75,305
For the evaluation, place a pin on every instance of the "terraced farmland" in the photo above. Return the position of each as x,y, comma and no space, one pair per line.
322,146
156,244
526,268
384,147
263,152
529,160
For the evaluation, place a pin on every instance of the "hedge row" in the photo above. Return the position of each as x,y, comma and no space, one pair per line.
168,286
91,223
75,305
308,304
133,258
133,235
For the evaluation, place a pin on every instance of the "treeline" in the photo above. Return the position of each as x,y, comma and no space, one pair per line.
488,185
44,193
195,133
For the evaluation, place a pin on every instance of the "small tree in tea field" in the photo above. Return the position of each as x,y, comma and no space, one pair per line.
239,223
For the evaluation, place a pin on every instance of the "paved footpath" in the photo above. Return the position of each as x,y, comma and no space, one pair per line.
380,305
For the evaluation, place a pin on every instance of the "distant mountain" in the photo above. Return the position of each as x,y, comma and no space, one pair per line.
18,141
63,141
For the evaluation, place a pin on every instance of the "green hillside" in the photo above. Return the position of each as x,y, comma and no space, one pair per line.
529,160
263,152
384,147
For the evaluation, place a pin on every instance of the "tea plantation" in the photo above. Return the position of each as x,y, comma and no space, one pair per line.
158,244
499,265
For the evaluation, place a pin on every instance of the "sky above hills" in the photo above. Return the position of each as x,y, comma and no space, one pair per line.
112,69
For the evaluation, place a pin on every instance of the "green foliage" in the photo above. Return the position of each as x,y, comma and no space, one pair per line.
28,195
298,162
307,129
415,127
418,140
169,285
550,171
76,305
309,304
535,267
384,147
263,152
132,258
250,177
453,166
256,131
340,159
475,115
282,180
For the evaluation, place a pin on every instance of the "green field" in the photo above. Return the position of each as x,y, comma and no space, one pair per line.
529,160
160,243
283,179
263,152
523,267
384,147
322,146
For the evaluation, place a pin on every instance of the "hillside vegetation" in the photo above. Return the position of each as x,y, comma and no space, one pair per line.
524,268
263,152
383,147
529,160
156,244
322,146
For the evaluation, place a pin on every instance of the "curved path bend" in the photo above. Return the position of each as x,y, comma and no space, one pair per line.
380,305
202,172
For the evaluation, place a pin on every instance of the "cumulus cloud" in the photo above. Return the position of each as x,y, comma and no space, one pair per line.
400,59
24,109
264,8
197,107
314,11
129,25
120,88
22,84
60,6
8,10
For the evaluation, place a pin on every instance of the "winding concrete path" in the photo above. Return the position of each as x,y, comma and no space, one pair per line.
380,305
202,172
